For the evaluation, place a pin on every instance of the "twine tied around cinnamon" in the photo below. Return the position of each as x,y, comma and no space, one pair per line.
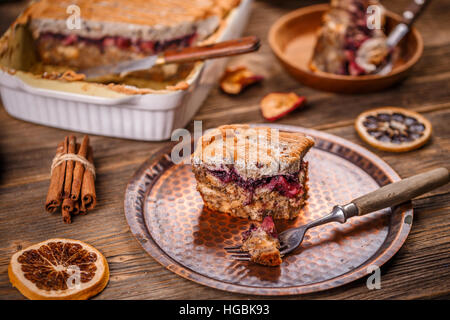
60,158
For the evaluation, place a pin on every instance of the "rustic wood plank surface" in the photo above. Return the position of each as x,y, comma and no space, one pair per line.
421,269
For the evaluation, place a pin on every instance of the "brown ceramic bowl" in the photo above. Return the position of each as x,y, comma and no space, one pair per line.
293,36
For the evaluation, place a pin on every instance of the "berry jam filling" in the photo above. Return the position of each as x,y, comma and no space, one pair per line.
136,45
287,185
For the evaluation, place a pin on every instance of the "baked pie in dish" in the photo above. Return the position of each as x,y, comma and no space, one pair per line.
345,44
116,30
252,172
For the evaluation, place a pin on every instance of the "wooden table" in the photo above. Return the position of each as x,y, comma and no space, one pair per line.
421,269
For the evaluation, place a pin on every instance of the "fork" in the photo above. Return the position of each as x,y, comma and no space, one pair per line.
384,197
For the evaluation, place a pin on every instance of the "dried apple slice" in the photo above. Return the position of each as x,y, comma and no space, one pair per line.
59,269
276,105
236,79
393,129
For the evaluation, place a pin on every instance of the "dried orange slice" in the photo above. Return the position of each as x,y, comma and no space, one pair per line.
276,105
236,79
393,129
59,269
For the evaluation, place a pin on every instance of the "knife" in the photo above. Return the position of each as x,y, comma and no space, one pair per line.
189,54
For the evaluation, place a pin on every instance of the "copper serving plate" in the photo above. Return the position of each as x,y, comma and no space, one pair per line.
165,214
292,39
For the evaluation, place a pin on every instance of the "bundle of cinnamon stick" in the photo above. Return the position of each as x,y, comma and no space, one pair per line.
72,185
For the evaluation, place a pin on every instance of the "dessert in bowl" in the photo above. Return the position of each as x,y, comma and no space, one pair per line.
344,40
293,39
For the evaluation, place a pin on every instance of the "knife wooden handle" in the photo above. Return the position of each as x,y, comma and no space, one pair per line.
401,191
215,50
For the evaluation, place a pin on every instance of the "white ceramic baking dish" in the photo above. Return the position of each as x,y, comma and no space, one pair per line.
151,116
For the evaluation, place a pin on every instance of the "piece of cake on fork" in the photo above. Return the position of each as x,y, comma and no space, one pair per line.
262,244
252,172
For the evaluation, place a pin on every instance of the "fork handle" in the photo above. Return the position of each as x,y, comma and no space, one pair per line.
401,191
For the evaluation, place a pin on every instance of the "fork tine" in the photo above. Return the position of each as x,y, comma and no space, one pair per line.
241,257
240,254
233,250
233,247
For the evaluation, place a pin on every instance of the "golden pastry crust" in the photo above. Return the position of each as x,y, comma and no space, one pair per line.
141,12
255,152
68,75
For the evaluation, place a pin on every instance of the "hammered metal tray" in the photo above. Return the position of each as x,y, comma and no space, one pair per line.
165,213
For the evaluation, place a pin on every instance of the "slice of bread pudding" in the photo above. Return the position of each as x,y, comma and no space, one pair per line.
252,172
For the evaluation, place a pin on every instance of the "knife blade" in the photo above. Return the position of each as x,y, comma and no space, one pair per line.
189,54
